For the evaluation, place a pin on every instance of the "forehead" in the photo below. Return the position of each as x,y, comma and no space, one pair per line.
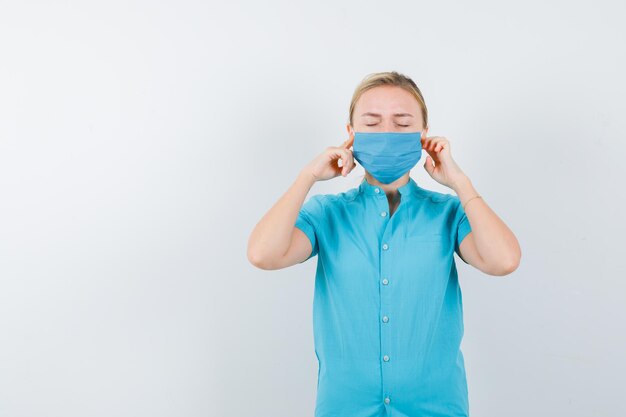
387,99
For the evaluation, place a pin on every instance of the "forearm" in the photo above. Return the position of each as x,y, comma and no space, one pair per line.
271,236
495,242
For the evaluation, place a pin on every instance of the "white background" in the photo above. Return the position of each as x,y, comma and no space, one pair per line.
141,141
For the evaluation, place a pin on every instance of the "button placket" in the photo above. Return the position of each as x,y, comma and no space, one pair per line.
386,248
386,278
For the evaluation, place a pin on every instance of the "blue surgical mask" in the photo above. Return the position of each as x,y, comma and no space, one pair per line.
387,155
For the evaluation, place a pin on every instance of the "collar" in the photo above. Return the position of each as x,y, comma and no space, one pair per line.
370,189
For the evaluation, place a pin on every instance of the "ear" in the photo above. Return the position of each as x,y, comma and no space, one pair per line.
349,129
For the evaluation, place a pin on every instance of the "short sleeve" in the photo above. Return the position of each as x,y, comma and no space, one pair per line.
462,226
308,220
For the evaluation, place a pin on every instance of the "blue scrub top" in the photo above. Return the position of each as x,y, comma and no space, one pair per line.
387,307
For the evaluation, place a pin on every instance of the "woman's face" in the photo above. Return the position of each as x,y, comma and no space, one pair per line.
387,109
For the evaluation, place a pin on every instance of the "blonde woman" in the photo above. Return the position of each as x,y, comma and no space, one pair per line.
387,308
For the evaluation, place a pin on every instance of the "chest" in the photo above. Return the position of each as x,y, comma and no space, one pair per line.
376,234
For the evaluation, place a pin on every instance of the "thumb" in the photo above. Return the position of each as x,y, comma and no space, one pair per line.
428,165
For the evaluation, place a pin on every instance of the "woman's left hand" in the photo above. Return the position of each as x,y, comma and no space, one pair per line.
445,171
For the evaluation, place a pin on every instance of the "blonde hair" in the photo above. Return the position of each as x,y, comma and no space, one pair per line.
392,78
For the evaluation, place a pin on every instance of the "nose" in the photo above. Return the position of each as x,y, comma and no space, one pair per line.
390,126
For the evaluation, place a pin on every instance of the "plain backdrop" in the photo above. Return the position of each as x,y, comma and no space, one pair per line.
141,141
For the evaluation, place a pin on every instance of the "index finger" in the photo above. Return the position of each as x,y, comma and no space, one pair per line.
348,143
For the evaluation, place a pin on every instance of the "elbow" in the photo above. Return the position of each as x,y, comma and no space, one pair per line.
510,266
255,254
256,259
262,258
259,260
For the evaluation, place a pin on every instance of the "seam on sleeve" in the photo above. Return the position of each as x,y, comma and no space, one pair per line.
463,227
308,224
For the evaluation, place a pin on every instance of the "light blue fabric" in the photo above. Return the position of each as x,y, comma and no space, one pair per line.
387,155
387,307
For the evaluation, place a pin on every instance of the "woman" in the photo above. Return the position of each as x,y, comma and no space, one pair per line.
387,309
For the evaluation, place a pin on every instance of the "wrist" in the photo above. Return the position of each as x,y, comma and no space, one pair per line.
307,177
460,182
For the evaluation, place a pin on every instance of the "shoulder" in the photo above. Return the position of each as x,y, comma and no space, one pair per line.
450,201
332,201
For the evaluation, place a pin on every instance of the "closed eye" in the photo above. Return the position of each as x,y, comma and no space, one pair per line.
398,125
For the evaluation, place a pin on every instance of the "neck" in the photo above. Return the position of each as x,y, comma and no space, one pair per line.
391,189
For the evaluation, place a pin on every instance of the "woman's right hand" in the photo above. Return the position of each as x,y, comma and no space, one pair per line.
326,165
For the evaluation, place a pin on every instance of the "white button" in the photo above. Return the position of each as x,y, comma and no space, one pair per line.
376,190
385,246
385,319
386,358
387,400
383,213
385,281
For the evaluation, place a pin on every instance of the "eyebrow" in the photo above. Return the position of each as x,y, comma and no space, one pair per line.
394,115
